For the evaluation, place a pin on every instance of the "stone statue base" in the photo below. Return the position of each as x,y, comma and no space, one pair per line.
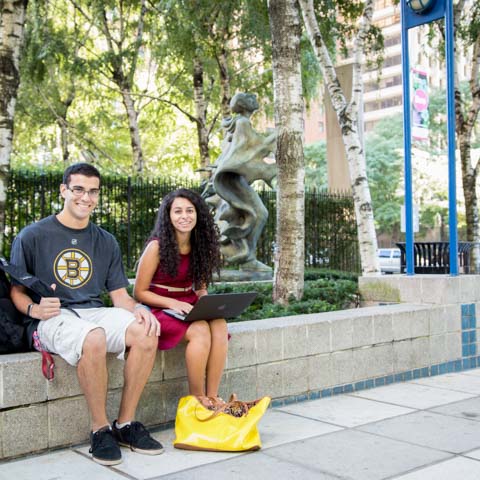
243,276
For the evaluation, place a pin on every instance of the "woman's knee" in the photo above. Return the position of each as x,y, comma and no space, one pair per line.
95,343
219,329
199,333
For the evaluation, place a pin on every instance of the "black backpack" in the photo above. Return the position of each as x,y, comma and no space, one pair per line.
12,332
29,339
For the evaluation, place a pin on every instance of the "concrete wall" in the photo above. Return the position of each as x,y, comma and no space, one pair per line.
291,359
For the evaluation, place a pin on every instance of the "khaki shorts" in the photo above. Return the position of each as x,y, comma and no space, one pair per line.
65,333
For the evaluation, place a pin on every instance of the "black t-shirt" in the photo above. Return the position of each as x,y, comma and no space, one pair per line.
81,262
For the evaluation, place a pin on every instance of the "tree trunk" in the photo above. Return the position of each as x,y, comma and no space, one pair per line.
347,115
287,85
11,36
63,124
224,83
135,141
201,112
464,126
123,78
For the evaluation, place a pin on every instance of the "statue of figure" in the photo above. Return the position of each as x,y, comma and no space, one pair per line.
239,211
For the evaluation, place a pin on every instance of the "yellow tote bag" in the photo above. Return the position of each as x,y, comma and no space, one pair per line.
197,428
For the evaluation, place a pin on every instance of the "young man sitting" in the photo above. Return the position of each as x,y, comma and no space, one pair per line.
80,260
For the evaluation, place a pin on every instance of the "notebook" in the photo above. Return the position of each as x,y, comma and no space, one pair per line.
220,305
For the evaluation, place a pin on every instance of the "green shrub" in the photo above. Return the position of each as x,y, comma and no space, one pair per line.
323,294
324,291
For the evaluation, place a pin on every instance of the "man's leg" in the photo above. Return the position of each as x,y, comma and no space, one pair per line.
138,366
83,344
93,377
122,331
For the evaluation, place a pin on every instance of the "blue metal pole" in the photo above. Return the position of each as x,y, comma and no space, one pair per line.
407,146
452,192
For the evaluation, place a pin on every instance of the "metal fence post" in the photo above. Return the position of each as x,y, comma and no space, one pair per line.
129,220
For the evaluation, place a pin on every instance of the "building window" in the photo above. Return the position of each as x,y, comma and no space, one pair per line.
392,41
382,104
382,83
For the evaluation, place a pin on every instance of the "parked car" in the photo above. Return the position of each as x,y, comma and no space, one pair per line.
389,260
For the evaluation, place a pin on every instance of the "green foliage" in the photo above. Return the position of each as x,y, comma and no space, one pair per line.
315,156
311,73
383,147
324,291
433,215
69,67
438,117
325,273
338,23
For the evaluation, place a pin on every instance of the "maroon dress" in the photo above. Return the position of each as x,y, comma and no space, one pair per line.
173,330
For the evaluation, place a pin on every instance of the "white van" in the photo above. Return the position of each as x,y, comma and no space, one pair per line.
389,260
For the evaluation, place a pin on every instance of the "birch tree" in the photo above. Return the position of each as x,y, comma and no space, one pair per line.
285,26
347,115
51,68
120,25
221,44
11,36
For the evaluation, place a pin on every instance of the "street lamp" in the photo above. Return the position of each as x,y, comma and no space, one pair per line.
414,14
420,6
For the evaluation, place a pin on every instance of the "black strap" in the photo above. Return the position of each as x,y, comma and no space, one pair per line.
26,279
30,281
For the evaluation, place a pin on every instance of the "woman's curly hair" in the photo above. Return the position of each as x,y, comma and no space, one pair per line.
204,239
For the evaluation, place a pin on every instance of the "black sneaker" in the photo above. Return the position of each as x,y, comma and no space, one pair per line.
104,448
137,438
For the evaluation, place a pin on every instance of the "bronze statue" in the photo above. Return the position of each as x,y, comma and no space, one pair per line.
239,211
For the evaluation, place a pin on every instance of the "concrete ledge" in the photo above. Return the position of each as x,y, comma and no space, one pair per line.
438,289
288,358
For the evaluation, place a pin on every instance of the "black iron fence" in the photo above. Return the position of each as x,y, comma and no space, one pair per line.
128,206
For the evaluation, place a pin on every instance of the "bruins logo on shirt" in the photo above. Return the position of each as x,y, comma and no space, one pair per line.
73,268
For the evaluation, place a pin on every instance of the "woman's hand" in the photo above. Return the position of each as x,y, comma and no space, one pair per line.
201,292
181,307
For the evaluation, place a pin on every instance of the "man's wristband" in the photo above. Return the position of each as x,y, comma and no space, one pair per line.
141,305
29,309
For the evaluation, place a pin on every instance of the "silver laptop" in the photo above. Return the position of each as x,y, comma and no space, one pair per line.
219,305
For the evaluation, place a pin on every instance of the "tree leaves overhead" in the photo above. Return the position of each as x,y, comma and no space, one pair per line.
81,54
337,20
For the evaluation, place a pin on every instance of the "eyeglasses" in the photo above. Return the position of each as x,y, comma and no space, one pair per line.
80,192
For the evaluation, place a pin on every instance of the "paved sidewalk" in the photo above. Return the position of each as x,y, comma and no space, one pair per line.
425,429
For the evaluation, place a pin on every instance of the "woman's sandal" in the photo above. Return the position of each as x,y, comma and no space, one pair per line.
217,401
212,403
206,402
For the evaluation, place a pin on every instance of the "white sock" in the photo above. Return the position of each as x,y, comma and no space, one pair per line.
121,425
101,428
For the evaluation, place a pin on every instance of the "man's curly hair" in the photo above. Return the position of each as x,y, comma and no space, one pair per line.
204,239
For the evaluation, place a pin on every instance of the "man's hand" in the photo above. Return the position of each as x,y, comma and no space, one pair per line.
151,324
47,308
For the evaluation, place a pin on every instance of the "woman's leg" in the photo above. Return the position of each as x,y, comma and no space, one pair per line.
197,352
218,355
